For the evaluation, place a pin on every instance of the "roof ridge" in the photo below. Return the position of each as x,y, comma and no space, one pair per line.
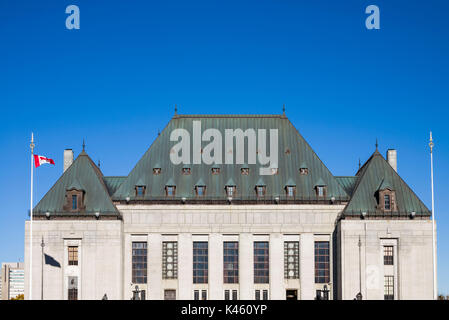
229,116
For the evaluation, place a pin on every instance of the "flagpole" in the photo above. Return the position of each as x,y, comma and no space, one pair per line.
31,219
434,247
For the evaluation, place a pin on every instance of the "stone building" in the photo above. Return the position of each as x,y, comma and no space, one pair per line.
230,207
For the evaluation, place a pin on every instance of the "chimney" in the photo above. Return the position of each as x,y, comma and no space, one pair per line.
68,158
392,158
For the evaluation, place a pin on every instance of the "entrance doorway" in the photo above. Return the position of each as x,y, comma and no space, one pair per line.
292,294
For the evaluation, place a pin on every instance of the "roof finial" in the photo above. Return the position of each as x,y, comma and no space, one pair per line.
377,145
84,145
158,132
98,163
360,164
176,110
283,109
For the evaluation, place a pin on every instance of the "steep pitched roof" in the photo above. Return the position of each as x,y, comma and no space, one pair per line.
82,174
374,175
293,150
112,183
348,183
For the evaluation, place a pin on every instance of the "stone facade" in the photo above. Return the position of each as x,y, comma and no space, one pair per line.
105,251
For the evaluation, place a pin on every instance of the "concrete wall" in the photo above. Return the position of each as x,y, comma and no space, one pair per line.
100,256
105,252
412,270
215,224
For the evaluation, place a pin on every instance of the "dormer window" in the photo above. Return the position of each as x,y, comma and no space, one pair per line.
157,171
186,171
230,191
244,171
303,171
320,191
215,171
140,191
74,201
170,191
387,200
260,190
200,191
291,190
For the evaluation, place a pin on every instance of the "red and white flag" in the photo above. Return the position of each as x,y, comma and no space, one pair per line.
38,160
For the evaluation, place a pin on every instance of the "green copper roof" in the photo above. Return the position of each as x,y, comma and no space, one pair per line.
82,174
293,151
290,183
112,183
372,176
348,183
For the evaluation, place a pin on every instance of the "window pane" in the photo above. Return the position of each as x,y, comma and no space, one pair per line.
139,262
388,287
200,262
387,202
73,256
388,255
322,262
74,202
261,262
231,262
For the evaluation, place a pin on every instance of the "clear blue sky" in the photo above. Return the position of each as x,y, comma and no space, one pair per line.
116,80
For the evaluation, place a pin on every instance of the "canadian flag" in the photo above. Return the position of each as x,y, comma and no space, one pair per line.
38,160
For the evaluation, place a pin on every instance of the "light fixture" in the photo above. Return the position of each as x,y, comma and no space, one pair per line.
412,214
183,199
363,214
127,199
332,199
97,214
47,214
229,199
277,199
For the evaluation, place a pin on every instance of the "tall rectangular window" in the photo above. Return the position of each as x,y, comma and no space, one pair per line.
139,262
169,260
73,256
388,287
322,262
74,202
261,262
291,259
387,200
388,255
200,262
231,262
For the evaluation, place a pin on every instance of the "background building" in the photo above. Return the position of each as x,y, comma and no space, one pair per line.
12,280
220,229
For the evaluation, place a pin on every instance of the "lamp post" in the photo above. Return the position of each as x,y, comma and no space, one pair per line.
359,295
42,269
136,293
325,293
